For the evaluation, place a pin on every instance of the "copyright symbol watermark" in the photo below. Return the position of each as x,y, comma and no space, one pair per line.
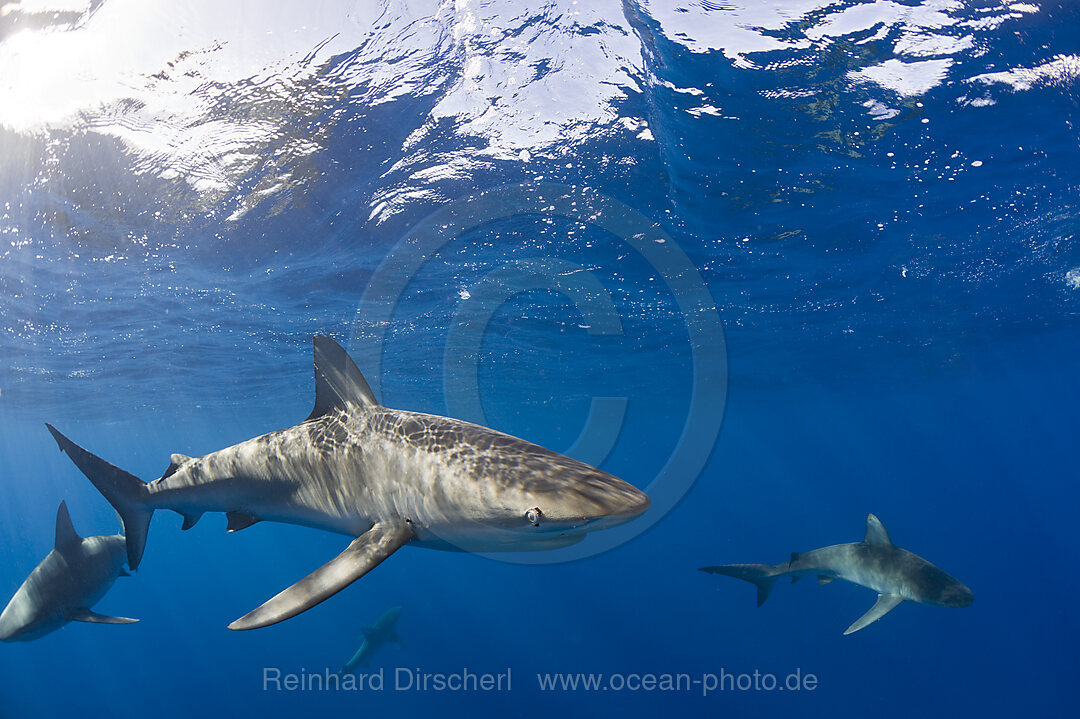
389,287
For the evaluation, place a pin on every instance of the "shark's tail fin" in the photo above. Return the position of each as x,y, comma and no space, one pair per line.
125,492
761,575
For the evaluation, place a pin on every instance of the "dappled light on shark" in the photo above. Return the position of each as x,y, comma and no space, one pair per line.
387,477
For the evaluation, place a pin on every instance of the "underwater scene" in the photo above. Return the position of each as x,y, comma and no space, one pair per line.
482,357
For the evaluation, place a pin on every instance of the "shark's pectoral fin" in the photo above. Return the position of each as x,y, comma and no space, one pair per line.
396,639
885,603
85,615
240,520
822,580
364,554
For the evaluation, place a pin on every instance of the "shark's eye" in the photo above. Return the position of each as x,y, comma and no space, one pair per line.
534,515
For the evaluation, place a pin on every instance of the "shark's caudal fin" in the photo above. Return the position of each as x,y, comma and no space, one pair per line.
125,492
762,575
364,554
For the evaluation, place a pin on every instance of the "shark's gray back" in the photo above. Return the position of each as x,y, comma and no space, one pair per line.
70,578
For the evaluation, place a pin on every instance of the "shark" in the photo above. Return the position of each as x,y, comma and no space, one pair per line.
74,577
896,574
375,637
387,478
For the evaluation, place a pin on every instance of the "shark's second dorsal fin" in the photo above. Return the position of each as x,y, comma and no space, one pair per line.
338,381
176,461
875,532
66,536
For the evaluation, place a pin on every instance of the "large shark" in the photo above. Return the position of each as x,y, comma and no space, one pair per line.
386,477
895,574
385,630
74,577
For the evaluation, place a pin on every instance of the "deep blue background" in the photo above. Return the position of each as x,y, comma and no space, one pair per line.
901,335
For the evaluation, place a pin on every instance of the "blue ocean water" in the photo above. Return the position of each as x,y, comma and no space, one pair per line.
534,219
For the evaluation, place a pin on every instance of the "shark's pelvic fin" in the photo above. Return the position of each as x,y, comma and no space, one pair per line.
338,381
875,532
885,603
85,615
125,492
364,554
822,580
240,520
761,575
66,536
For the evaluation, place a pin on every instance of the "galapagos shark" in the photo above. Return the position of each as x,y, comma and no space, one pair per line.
374,638
74,576
383,476
895,574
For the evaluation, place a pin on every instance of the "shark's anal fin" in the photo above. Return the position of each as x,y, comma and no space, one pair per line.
364,554
240,520
85,615
885,603
190,520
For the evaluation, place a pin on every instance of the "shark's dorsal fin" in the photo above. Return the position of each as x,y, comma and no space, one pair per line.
66,536
338,381
875,532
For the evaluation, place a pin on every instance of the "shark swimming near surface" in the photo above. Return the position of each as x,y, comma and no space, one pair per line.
74,577
383,476
895,574
375,637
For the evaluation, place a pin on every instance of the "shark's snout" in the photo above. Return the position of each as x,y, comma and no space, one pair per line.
633,503
619,507
957,595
